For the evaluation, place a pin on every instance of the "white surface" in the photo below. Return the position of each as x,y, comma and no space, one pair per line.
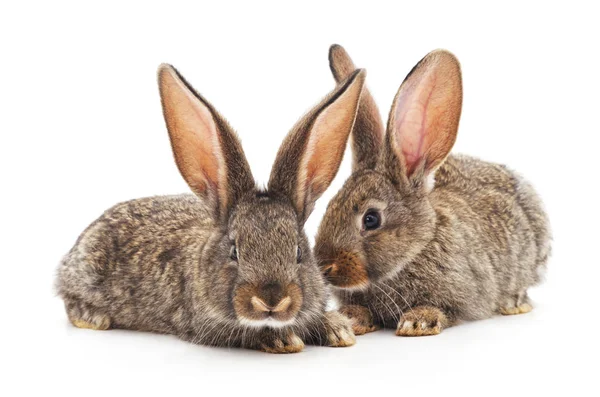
81,129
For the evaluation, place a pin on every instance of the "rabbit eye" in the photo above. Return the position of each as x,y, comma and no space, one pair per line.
233,253
372,220
298,254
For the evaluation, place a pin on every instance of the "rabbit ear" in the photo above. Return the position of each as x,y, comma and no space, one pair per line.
207,152
368,131
311,154
424,118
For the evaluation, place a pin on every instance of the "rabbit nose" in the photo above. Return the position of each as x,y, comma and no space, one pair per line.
271,294
260,306
330,269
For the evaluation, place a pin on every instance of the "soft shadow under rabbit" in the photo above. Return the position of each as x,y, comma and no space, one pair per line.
230,265
416,239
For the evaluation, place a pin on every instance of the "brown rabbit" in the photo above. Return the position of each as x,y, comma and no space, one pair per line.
417,239
230,265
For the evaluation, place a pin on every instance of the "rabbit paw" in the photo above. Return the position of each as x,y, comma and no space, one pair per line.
281,344
518,305
422,321
338,330
86,316
361,318
520,309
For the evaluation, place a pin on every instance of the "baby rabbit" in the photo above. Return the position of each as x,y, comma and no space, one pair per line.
230,265
417,239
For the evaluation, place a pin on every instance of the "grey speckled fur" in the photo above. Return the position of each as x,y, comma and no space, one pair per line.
165,264
464,249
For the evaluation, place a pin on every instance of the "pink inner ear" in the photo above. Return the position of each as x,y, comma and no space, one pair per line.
326,143
410,119
194,137
426,112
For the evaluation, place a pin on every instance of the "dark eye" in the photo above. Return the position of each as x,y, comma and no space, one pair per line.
298,254
372,220
233,253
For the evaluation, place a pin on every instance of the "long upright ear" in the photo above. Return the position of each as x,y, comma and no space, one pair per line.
207,151
368,132
424,118
310,155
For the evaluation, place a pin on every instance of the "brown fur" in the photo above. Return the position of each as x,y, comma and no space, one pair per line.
207,267
464,249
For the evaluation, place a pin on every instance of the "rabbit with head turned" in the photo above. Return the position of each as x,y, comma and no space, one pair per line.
230,265
418,239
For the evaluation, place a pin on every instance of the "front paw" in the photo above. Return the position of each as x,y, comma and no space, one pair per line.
280,343
338,329
361,318
422,321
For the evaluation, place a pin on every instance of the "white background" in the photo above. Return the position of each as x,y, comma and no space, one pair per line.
81,129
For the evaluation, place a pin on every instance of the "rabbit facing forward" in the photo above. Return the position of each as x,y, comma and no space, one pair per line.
418,239
230,265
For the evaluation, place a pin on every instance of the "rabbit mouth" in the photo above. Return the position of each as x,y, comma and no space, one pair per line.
268,322
271,304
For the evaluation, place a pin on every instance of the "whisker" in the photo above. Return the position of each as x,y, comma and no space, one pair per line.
394,302
401,296
379,312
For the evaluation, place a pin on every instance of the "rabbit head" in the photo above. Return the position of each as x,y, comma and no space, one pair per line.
258,269
382,218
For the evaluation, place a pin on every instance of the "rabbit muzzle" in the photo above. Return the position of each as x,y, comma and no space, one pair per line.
348,270
271,304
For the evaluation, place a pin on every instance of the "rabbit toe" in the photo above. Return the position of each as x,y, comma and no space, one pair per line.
101,324
520,309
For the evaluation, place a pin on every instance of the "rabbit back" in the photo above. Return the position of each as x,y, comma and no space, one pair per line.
128,268
509,203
